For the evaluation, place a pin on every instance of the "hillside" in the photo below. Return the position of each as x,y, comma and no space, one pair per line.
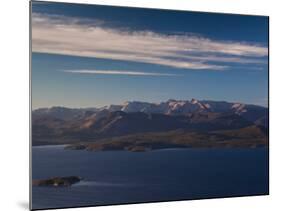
59,125
252,137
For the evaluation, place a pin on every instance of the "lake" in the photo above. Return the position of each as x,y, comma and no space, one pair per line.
117,177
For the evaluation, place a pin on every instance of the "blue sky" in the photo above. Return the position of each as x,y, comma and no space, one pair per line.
90,56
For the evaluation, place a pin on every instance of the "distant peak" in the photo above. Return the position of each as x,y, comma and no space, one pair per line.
126,103
238,105
194,101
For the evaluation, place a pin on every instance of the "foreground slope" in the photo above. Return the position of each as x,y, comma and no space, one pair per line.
248,137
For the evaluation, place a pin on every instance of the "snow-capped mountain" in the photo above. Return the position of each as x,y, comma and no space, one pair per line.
62,112
186,107
171,107
65,124
168,107
181,107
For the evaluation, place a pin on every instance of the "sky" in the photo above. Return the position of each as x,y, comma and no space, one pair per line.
91,56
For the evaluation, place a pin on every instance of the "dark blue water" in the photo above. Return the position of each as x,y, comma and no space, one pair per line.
130,177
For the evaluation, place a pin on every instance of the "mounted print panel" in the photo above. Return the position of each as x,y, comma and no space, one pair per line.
134,105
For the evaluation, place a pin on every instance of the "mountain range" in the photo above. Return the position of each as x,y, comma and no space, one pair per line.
57,125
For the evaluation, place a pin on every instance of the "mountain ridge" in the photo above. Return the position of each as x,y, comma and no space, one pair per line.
66,125
170,106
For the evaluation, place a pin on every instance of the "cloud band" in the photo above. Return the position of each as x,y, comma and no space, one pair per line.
117,72
89,38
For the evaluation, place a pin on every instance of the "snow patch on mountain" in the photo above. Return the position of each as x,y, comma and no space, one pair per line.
239,108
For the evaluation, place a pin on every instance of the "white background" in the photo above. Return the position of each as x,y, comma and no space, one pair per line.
14,101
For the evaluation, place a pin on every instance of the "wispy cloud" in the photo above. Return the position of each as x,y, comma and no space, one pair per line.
118,72
90,38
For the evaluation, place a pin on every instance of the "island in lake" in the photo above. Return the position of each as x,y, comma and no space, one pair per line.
57,181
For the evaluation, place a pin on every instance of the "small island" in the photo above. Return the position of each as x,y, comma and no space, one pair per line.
57,181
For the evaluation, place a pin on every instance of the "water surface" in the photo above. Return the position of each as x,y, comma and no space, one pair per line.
128,177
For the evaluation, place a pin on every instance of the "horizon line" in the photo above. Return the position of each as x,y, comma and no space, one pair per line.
140,101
